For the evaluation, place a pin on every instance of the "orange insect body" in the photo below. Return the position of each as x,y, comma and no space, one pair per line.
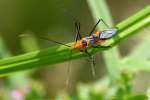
86,41
78,45
95,39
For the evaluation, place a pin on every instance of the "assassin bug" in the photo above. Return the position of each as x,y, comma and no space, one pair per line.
93,40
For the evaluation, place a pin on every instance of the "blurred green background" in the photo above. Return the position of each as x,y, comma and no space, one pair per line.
54,19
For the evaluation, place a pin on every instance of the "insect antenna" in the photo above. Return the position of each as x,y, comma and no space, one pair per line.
68,66
44,38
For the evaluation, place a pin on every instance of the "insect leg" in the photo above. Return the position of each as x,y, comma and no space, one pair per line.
68,72
97,24
94,27
91,57
103,47
78,35
105,23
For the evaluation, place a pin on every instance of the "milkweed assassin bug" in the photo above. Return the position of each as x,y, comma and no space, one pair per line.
93,40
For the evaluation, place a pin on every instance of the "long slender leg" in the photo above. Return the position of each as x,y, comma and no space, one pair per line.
97,24
103,47
78,35
91,57
68,72
93,65
105,23
94,27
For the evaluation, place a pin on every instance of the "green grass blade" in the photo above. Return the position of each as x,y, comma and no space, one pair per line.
58,54
130,31
135,18
22,78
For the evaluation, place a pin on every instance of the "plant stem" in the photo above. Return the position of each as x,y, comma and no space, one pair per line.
61,53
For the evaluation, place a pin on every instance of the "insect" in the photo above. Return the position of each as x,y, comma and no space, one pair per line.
93,40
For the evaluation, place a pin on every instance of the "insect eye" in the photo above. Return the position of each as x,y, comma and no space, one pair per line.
84,42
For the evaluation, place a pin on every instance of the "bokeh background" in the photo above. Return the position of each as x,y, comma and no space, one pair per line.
55,19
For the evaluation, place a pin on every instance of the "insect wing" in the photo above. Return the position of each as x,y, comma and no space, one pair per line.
106,34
